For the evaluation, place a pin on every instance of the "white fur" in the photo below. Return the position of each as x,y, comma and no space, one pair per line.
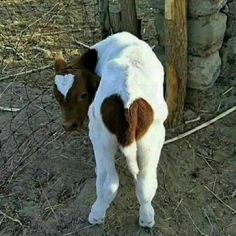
64,83
128,67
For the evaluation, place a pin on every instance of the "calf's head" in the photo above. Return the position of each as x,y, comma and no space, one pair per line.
75,87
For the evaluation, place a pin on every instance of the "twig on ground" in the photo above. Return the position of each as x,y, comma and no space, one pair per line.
11,218
209,220
9,85
81,44
216,196
201,126
11,109
2,219
203,234
227,91
86,227
214,184
3,69
205,159
53,33
49,204
46,51
208,163
16,52
68,234
7,77
55,206
219,106
153,46
54,139
178,205
76,232
193,120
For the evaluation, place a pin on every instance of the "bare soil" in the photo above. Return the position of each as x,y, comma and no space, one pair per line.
47,177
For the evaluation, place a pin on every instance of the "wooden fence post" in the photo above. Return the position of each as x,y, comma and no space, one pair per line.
115,21
104,18
176,58
129,20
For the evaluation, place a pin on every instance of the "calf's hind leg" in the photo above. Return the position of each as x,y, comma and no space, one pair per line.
149,149
107,181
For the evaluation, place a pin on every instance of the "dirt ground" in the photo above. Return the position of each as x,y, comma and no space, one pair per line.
47,177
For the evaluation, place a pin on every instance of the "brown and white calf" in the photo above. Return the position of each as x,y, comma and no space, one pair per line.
119,84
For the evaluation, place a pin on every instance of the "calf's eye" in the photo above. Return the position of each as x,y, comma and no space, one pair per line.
83,96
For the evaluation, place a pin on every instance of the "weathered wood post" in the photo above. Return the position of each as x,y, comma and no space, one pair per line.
104,18
129,20
176,58
110,19
125,19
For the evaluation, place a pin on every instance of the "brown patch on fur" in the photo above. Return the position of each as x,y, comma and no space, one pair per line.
75,106
127,124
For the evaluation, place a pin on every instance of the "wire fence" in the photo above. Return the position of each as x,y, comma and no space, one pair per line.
32,33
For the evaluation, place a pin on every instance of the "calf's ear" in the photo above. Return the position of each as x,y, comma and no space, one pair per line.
60,65
88,60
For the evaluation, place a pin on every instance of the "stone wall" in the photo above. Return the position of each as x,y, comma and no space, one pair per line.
228,51
210,54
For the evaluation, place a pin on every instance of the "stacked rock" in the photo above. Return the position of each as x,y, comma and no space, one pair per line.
206,30
228,51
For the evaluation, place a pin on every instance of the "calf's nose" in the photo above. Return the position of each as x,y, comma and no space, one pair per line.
70,126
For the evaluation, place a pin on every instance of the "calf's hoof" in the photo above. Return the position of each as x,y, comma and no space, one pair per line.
97,215
146,224
146,216
94,221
